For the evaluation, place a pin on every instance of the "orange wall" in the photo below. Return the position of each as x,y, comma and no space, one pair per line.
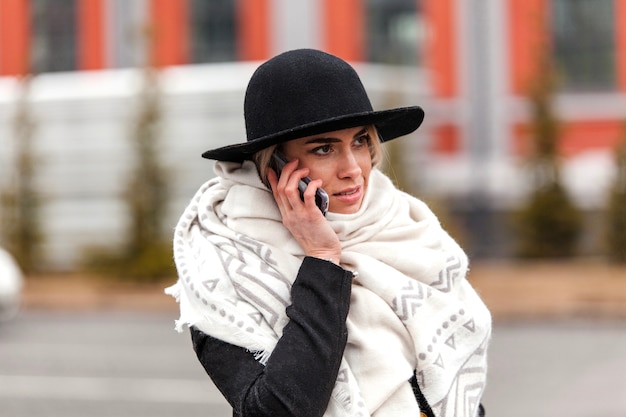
575,136
441,60
343,33
590,134
528,34
441,48
447,139
253,25
528,37
14,37
168,33
91,36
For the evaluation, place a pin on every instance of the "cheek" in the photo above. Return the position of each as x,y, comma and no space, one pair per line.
366,168
322,172
366,165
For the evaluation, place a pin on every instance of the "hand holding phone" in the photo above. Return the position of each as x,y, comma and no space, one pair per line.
321,197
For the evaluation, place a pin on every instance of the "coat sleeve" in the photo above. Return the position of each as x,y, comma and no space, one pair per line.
301,372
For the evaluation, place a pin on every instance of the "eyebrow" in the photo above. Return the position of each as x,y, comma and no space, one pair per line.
333,140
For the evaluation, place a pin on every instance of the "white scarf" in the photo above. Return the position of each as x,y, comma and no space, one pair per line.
411,307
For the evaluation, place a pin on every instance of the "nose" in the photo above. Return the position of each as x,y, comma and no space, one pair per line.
349,165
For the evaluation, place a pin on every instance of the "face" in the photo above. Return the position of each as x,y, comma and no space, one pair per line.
341,159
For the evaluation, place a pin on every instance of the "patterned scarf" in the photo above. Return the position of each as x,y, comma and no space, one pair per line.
412,309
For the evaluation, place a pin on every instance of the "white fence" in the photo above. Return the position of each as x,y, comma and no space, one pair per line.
83,151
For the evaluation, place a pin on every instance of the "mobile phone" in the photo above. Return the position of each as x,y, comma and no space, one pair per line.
321,197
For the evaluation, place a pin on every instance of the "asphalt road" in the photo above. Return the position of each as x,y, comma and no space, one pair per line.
101,364
129,364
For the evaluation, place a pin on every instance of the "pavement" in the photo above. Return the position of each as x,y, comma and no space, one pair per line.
511,290
554,290
557,347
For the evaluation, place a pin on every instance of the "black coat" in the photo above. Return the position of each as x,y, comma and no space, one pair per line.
299,376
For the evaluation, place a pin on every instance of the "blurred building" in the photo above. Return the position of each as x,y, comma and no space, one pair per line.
469,63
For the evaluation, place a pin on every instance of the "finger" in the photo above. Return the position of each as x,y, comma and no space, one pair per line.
279,196
285,186
292,190
309,194
272,178
284,175
288,169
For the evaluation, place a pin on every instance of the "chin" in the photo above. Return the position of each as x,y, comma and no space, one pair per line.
345,209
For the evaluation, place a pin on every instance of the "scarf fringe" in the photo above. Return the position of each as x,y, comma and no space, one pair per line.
207,323
262,356
343,398
175,291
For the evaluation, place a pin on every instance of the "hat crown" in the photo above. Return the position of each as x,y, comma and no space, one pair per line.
299,88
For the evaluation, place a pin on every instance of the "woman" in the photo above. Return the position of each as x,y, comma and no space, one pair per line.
363,312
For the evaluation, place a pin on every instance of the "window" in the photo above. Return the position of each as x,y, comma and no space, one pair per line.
54,35
212,30
584,43
395,31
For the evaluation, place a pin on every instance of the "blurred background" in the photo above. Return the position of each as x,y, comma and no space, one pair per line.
106,106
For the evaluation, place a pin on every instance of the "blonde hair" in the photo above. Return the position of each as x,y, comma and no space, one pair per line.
263,158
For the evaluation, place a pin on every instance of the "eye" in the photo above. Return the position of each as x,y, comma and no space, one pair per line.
322,150
362,140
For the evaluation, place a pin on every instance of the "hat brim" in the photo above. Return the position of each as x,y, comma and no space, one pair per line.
389,123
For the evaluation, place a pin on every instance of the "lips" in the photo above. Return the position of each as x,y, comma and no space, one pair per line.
349,196
348,192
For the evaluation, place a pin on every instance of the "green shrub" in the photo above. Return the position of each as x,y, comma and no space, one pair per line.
21,203
616,209
146,254
549,225
152,264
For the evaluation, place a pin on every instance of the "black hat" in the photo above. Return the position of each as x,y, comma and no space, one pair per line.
305,92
